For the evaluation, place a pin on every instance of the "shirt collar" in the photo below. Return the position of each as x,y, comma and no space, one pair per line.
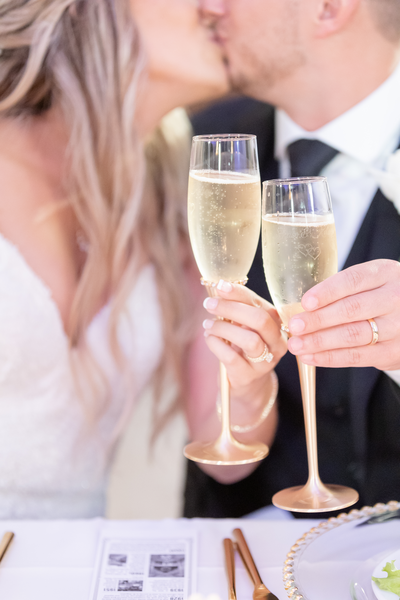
366,132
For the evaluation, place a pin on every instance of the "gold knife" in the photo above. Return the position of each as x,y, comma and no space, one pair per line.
5,542
230,567
261,592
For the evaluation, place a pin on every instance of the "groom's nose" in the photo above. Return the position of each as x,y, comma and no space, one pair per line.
215,8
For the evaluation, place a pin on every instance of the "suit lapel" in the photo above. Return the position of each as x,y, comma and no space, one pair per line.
379,237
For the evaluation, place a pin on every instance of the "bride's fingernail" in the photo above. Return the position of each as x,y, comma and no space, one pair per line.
224,286
210,303
208,323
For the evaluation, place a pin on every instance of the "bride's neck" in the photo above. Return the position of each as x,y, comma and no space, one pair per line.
38,142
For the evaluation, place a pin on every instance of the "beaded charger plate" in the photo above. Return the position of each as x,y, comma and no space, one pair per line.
336,559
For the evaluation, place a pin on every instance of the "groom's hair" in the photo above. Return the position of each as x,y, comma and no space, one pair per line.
387,17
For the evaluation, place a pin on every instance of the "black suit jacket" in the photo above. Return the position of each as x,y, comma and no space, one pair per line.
358,410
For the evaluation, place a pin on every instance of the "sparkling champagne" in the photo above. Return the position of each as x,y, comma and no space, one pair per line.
224,222
299,251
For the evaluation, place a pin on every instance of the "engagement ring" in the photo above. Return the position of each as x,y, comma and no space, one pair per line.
266,355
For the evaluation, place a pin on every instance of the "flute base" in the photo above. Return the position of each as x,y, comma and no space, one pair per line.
325,499
225,451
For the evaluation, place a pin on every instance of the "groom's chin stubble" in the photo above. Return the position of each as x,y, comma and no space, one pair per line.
261,79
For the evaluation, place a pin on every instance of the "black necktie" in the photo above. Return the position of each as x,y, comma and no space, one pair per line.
309,157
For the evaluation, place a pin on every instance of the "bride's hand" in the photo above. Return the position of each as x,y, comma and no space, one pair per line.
251,325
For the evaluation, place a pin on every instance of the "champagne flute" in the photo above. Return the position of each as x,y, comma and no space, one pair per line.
224,211
299,251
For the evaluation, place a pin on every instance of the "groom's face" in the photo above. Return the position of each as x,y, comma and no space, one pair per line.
261,41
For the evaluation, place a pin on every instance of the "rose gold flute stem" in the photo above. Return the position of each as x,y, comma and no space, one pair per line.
307,383
314,496
225,404
224,389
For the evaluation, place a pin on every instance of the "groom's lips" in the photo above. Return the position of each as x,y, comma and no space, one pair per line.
220,37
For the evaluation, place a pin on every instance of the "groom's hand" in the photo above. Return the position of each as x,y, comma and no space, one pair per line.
334,330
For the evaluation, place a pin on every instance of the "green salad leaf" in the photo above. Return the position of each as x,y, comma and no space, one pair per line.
391,583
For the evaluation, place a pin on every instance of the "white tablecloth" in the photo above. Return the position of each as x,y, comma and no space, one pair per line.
54,560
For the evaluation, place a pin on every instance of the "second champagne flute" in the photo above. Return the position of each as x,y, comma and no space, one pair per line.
224,211
299,251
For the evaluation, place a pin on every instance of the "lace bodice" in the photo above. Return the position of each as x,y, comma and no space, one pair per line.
51,463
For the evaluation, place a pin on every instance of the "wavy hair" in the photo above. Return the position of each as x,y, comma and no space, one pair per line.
386,14
85,57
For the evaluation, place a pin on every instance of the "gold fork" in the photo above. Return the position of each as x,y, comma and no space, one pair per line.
261,592
230,567
5,542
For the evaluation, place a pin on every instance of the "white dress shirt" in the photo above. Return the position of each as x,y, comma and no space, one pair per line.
364,136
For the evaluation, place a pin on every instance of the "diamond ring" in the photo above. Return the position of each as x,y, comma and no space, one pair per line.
265,355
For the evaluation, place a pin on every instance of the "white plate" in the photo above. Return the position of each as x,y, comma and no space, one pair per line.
336,559
378,572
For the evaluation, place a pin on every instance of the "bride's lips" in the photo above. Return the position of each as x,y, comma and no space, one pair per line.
215,35
222,40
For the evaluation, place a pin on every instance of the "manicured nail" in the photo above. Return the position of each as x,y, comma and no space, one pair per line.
296,325
295,344
210,303
208,323
310,302
224,286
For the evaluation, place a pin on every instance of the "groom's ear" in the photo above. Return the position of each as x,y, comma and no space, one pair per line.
333,15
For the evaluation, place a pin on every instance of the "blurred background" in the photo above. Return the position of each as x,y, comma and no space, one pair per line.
146,482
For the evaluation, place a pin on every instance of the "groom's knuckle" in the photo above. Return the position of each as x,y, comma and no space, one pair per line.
329,359
350,307
352,334
354,279
353,358
317,340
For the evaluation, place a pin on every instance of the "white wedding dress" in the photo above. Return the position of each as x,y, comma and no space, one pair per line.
52,465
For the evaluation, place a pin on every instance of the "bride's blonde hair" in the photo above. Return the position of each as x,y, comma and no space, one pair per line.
85,57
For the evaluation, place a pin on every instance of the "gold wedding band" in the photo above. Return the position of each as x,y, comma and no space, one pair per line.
375,332
266,355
